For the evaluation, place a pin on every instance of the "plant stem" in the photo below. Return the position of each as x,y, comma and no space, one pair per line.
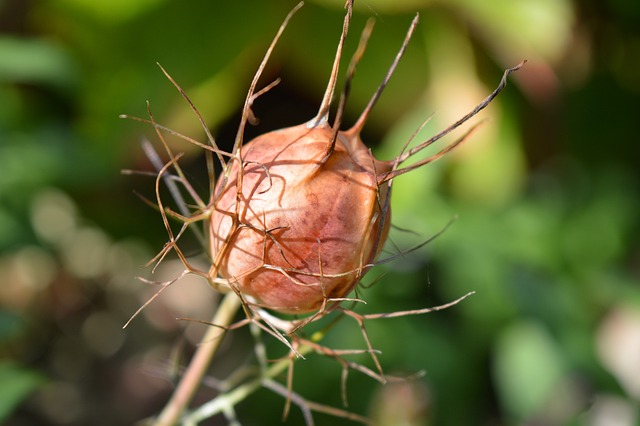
233,397
192,378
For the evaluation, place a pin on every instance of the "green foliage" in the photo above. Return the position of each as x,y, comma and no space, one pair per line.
544,197
528,370
16,381
15,384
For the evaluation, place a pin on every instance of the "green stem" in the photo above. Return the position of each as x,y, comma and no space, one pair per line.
192,378
233,397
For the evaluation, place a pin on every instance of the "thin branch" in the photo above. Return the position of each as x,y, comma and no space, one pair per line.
210,137
351,71
417,311
482,105
357,128
323,113
192,379
250,94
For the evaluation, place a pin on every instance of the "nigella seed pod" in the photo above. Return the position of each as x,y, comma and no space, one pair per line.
300,214
294,221
307,222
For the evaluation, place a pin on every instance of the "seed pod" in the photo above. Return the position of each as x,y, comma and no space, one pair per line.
301,213
307,222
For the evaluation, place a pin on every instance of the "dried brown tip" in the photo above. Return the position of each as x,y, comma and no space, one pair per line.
204,126
357,127
406,155
246,110
351,71
323,113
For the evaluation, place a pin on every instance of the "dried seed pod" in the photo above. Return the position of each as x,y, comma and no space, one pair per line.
307,222
302,212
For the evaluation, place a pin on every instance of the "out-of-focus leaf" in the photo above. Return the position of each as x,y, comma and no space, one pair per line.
10,229
381,6
15,384
534,28
491,168
35,61
10,324
11,108
527,369
608,216
113,10
25,164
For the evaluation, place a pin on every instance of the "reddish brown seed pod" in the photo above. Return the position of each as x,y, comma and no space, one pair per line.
295,220
307,222
301,213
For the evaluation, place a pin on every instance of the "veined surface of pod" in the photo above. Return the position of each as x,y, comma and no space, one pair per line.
308,221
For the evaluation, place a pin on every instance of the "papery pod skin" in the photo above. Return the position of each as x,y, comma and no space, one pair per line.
323,210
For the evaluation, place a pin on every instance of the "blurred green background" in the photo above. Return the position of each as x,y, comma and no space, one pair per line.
546,197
